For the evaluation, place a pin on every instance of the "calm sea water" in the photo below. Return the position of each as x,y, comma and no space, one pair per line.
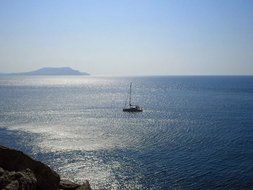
194,133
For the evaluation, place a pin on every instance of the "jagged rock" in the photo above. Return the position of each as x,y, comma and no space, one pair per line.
13,185
84,186
68,185
20,172
14,160
22,180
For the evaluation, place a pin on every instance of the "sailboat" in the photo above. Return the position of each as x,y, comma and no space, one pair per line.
131,107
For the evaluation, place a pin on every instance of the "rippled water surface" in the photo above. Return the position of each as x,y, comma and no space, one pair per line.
194,133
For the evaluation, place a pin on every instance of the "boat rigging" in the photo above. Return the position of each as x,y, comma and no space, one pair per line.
131,107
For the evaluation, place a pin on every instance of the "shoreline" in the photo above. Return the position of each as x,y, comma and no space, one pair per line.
20,171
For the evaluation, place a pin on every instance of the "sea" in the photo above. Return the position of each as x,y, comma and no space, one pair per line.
195,132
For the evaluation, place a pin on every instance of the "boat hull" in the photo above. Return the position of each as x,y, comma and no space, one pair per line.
132,110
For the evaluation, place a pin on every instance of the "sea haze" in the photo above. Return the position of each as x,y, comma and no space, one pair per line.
194,133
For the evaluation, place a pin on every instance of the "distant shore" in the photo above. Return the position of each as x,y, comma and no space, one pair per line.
50,71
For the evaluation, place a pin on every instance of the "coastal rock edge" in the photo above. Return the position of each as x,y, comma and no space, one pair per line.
19,171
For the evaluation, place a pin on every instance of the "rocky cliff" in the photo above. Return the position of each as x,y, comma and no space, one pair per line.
18,171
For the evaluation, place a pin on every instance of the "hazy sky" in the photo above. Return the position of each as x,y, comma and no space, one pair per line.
128,37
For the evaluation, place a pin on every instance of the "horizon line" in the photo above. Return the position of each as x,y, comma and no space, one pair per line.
138,75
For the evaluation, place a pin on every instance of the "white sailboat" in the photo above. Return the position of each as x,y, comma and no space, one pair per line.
131,107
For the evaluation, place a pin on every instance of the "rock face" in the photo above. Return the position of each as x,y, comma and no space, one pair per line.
17,180
20,172
13,160
69,185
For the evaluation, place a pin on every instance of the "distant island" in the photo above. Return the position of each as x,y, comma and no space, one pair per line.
51,71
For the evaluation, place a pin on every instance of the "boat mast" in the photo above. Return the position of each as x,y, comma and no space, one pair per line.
130,93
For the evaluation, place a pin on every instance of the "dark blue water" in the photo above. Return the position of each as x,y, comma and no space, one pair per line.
194,133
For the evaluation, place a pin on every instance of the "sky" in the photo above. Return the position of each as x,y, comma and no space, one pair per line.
128,37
